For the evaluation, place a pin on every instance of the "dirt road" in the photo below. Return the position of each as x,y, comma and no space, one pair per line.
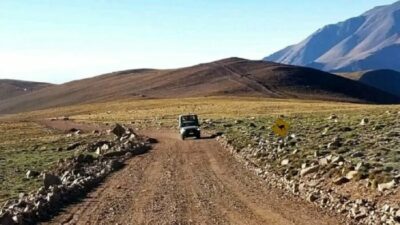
188,182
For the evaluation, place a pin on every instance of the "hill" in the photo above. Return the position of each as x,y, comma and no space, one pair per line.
228,77
385,80
367,42
13,88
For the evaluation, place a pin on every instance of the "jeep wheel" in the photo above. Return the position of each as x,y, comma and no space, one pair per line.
182,137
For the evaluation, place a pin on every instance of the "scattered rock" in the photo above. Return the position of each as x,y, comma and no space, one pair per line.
330,163
7,219
397,216
50,180
18,219
238,121
118,130
386,186
98,151
73,130
325,131
78,175
364,121
360,216
84,158
350,175
105,147
378,127
333,117
115,164
32,174
151,141
360,166
357,154
338,159
308,170
132,136
285,162
323,162
346,129
73,146
336,143
393,134
340,180
312,197
386,208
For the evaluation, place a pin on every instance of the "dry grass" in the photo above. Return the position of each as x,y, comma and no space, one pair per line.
24,144
27,146
167,110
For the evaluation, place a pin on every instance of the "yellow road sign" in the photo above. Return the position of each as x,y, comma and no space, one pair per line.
281,128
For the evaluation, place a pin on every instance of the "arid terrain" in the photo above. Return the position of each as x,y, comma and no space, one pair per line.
228,77
200,181
188,182
152,113
14,88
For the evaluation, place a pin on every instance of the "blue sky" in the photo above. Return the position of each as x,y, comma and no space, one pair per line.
63,40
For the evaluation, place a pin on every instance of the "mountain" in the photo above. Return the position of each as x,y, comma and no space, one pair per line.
385,80
367,42
228,77
13,88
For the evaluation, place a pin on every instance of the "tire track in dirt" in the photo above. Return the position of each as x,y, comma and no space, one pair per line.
188,182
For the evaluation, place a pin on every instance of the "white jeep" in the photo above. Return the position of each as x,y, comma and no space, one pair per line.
189,126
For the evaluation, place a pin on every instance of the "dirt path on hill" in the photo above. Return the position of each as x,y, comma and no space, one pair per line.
188,182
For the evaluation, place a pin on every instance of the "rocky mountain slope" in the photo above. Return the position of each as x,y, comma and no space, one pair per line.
228,77
386,80
367,42
13,88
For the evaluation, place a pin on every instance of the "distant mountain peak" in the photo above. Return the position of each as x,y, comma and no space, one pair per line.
367,42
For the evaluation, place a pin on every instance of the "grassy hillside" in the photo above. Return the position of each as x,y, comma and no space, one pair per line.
13,88
385,80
